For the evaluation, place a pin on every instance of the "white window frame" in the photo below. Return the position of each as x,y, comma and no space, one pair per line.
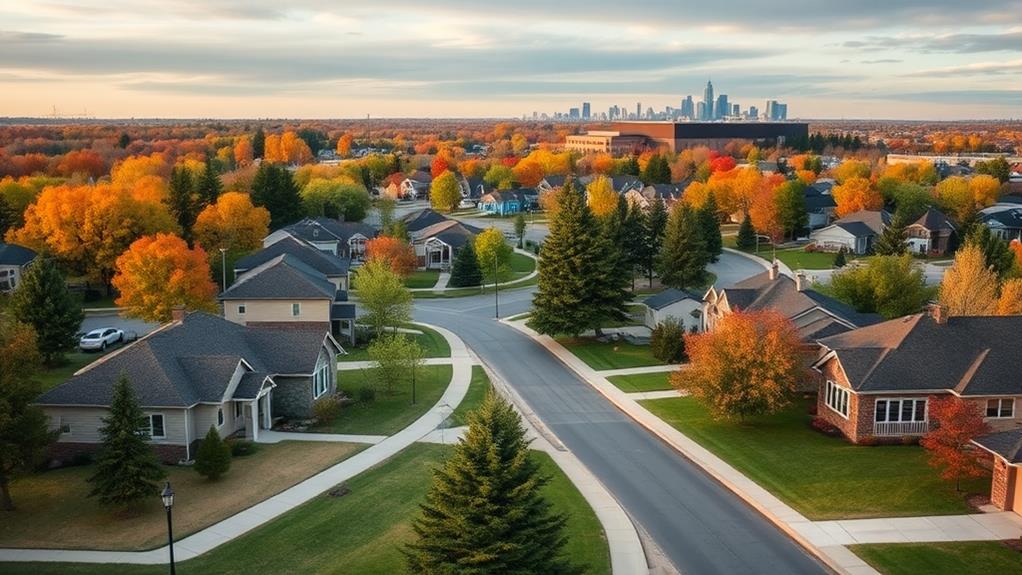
320,379
163,420
900,401
837,398
296,309
1000,406
241,309
220,418
61,426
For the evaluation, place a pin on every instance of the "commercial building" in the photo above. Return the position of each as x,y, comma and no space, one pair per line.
585,110
611,142
624,136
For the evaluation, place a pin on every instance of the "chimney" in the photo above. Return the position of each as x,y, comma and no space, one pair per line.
178,313
773,270
938,313
801,282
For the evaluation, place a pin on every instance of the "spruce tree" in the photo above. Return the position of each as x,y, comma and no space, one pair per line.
891,241
181,200
127,470
6,216
213,457
274,189
568,268
839,260
485,512
746,234
465,270
208,186
658,171
631,167
258,143
710,226
653,238
43,301
684,256
609,288
633,232
996,251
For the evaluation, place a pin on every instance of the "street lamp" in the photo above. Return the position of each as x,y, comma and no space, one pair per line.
223,268
496,289
168,503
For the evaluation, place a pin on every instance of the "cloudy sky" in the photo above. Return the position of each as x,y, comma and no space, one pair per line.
911,59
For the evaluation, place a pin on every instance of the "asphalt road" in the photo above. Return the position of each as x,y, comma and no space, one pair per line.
701,526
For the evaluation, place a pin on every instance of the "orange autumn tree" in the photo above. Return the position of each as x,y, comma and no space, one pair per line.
395,252
243,152
958,422
856,194
748,365
232,223
158,273
528,173
344,145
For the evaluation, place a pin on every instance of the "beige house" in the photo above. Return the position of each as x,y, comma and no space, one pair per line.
198,371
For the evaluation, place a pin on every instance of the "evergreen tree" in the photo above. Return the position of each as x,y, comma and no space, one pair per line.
633,232
658,171
181,201
568,268
839,260
258,143
630,167
891,241
996,252
746,234
213,458
790,200
709,223
465,270
653,238
484,512
520,229
208,186
7,218
684,256
274,189
127,470
610,283
43,301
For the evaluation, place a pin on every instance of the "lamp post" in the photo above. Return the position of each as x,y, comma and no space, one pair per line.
168,503
496,289
223,268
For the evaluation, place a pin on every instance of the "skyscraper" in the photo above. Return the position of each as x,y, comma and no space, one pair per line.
707,102
585,110
688,108
736,110
573,113
701,110
723,109
638,110
753,112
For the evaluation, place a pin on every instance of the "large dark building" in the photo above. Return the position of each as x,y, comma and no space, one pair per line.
680,135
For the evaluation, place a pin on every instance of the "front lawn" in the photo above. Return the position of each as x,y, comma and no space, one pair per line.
642,381
477,390
522,264
822,477
54,512
609,355
51,377
798,258
389,412
361,532
422,279
957,558
433,344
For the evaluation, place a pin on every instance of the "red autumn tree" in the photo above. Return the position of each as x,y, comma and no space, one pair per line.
438,166
958,423
395,252
748,365
722,164
86,162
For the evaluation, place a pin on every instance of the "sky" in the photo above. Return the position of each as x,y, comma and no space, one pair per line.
889,59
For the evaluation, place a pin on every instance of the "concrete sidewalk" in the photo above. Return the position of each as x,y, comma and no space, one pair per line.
353,365
640,370
265,511
441,281
978,527
270,436
665,394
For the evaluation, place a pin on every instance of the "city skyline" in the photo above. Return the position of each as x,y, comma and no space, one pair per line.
454,58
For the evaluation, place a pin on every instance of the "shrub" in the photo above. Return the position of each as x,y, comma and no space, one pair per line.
214,456
365,395
242,447
810,248
327,409
839,260
668,341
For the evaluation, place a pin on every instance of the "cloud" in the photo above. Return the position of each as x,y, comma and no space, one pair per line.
882,61
965,97
975,69
957,43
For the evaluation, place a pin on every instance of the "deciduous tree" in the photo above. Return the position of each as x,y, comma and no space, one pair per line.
790,199
394,252
336,198
1010,300
232,223
344,145
494,254
158,273
445,192
383,296
528,173
958,422
243,152
856,194
969,286
892,286
601,197
43,301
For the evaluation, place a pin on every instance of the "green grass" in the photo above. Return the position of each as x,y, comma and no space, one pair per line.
361,532
958,558
642,381
522,264
52,377
462,292
617,355
800,259
101,302
434,345
390,412
822,477
422,279
477,390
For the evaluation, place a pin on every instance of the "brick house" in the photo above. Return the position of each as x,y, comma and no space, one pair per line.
1006,487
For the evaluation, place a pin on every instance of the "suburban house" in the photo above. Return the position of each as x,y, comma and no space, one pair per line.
877,380
622,184
814,314
284,291
419,219
13,261
1006,486
503,202
1004,221
664,193
932,234
855,232
437,245
551,183
474,188
342,239
820,205
334,268
680,305
416,186
197,371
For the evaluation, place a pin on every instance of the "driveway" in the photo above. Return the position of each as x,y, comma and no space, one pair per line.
129,326
700,525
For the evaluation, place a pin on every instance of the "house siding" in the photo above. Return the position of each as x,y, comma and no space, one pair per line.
204,416
85,437
833,238
681,311
293,396
264,310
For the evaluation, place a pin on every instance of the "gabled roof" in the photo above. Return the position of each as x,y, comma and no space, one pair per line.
555,181
283,277
421,176
12,255
857,229
1007,444
451,232
419,219
323,262
819,201
970,355
1009,218
625,183
668,297
876,220
191,361
934,220
322,229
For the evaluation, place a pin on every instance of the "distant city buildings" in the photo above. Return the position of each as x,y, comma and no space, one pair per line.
626,137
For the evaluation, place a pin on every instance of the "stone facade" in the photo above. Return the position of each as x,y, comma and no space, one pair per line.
1003,486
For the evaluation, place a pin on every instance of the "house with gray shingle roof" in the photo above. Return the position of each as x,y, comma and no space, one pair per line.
1006,484
931,234
334,268
437,238
345,240
855,232
680,305
198,371
13,261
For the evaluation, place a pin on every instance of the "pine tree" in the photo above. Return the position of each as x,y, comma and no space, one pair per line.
484,512
127,470
568,268
213,458
465,270
839,260
746,234
710,226
208,186
43,301
633,232
181,200
609,288
658,171
891,241
520,229
684,256
996,252
6,216
631,167
258,143
653,238
274,189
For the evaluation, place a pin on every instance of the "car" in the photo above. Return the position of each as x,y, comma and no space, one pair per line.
99,339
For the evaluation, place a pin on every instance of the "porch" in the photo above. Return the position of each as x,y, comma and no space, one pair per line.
439,255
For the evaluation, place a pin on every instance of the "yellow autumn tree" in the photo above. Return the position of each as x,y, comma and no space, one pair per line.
1010,300
601,197
445,192
985,190
856,194
956,198
851,169
232,223
158,273
969,286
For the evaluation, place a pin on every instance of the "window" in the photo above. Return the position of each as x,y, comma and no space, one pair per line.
241,309
296,309
238,410
64,428
321,379
156,428
1004,407
220,417
900,410
837,398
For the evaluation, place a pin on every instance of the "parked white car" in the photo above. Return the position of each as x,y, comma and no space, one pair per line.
99,339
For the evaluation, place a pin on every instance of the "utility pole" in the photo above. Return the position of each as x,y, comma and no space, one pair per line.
496,290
